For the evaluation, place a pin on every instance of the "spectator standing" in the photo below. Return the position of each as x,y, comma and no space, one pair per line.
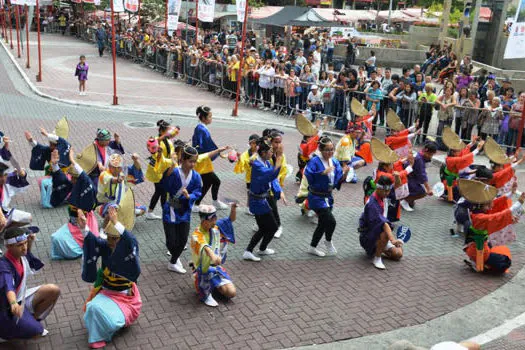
350,54
490,118
370,63
374,95
266,74
408,98
101,37
446,103
515,122
471,114
292,83
426,100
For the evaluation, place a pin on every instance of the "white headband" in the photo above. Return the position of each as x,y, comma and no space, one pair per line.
17,239
384,187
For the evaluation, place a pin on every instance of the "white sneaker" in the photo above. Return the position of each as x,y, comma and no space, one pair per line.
176,267
315,251
139,212
195,208
279,232
310,213
330,249
314,220
210,301
378,263
249,256
220,205
80,93
44,332
267,251
151,216
248,212
406,206
255,227
168,253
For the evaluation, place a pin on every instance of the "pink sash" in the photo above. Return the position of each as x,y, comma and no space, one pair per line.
78,236
130,305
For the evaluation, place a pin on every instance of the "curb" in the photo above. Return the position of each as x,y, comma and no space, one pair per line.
39,93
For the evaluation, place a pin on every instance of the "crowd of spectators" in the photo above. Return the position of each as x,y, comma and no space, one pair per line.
303,75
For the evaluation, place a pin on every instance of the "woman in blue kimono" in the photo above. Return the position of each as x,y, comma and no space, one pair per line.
375,230
203,142
263,194
183,185
324,174
22,308
114,301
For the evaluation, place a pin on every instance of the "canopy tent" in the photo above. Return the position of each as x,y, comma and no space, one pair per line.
397,16
295,16
348,16
263,12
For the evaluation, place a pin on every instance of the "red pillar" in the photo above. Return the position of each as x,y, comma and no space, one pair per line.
39,74
114,49
196,21
17,18
520,131
10,26
241,63
28,64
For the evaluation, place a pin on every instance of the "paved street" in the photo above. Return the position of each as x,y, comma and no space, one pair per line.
289,299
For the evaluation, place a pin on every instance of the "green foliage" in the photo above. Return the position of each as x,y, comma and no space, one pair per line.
511,11
452,32
455,16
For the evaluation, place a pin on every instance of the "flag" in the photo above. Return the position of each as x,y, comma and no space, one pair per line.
241,9
206,10
118,6
131,5
173,14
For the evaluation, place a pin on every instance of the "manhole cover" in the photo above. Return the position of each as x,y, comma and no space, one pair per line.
140,125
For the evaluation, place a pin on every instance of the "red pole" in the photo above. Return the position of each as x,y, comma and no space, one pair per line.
28,64
166,19
241,63
196,21
114,49
39,75
4,26
17,18
10,26
138,15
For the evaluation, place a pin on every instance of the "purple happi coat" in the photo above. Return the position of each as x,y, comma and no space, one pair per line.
371,224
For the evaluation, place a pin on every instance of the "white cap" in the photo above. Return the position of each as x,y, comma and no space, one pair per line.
314,87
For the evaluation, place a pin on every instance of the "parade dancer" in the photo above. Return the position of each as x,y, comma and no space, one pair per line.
491,219
209,244
104,147
503,167
157,165
183,185
114,301
203,142
375,230
400,140
67,242
345,151
418,180
243,165
324,174
22,308
264,193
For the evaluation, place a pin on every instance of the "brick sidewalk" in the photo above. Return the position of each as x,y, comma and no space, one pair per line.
291,298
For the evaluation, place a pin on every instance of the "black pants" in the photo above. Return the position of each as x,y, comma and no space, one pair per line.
101,51
176,238
267,97
160,192
210,180
325,226
268,224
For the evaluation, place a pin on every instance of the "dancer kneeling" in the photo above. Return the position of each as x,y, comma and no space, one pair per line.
208,249
22,308
324,173
114,301
375,230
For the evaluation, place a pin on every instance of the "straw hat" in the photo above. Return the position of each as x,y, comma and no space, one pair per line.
357,108
304,126
62,128
87,159
125,214
382,152
393,121
476,192
452,140
495,153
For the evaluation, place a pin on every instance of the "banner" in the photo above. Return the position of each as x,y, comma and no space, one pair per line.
18,2
241,9
207,10
89,1
173,14
131,5
118,6
516,42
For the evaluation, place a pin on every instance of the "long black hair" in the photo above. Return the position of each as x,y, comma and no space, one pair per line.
202,112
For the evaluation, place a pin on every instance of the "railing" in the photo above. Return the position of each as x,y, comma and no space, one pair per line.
282,97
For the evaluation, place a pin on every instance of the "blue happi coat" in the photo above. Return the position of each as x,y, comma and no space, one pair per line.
177,208
263,180
320,186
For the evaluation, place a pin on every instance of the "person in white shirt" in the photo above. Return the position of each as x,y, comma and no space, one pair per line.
370,63
329,49
316,67
266,74
314,101
300,60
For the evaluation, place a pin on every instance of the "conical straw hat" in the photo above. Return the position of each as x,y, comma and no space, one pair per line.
62,128
304,126
87,159
382,152
357,108
452,140
393,121
125,213
477,192
495,153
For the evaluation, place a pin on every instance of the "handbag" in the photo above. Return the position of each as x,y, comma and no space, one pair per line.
298,89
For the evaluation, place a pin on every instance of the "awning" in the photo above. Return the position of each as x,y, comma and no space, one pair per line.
485,14
295,16
263,12
349,16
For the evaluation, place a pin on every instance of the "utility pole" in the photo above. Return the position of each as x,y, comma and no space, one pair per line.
389,14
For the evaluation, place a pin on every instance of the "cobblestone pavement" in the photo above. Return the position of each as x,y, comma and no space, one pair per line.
289,299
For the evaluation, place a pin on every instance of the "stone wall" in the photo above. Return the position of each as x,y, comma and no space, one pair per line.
387,57
517,76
